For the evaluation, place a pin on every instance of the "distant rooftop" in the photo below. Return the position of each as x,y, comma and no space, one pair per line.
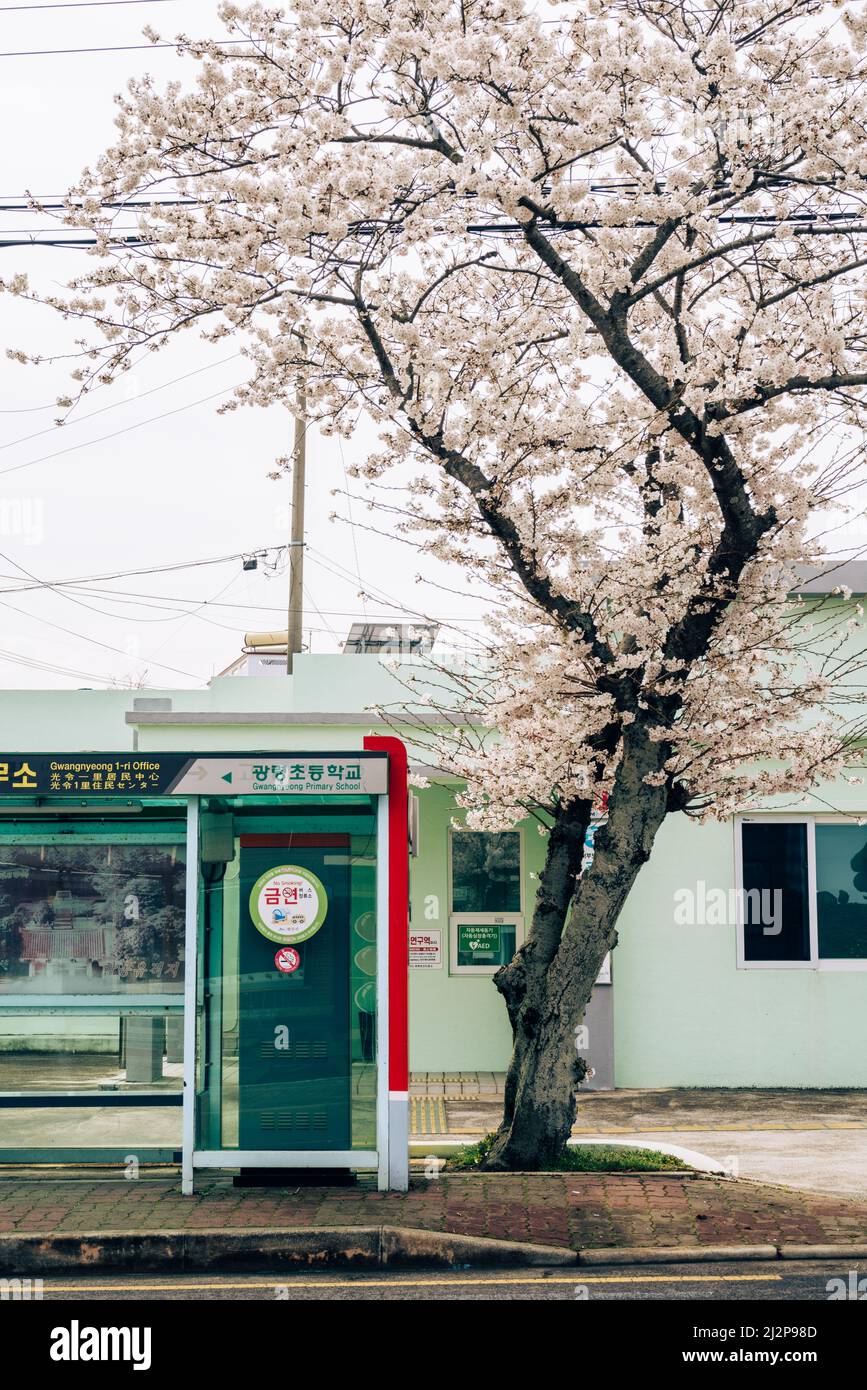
405,639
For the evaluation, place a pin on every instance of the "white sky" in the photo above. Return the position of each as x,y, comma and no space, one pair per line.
190,487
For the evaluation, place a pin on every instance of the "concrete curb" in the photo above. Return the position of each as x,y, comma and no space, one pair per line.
350,1247
673,1254
301,1248
823,1252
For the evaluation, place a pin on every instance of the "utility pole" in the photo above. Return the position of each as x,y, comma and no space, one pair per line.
296,549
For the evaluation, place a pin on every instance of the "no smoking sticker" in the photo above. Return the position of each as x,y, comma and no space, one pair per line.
288,904
287,959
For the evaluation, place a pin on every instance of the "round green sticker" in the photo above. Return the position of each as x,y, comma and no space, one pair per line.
288,904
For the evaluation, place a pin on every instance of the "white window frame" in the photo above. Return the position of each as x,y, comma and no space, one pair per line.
508,919
828,963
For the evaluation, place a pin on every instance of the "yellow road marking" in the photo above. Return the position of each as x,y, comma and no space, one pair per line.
579,1277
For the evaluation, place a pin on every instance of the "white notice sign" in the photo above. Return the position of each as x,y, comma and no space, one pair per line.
426,950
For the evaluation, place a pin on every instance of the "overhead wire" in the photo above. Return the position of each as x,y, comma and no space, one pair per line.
127,429
383,597
94,641
81,5
151,391
54,668
193,614
123,574
352,527
129,596
107,48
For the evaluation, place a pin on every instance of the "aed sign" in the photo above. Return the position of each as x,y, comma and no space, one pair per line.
475,940
288,904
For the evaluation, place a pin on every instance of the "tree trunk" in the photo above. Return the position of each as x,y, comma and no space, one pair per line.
548,984
533,959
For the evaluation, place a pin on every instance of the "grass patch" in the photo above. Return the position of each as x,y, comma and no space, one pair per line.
578,1158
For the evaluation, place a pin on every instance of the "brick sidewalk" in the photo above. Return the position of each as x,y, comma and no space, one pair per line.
572,1209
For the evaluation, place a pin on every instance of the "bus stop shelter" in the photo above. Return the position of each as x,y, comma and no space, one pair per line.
220,933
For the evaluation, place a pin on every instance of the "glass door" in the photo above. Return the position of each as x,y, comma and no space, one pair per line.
287,981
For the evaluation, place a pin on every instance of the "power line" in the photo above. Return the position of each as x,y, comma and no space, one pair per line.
116,404
35,665
112,48
81,5
326,563
76,243
190,615
58,202
143,600
152,569
352,527
94,641
101,439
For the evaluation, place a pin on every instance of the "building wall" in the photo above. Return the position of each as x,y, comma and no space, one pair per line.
457,1022
683,1013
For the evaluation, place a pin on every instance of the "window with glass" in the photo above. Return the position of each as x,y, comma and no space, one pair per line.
485,899
803,893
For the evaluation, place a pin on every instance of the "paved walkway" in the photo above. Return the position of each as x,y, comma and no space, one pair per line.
576,1210
812,1140
610,1112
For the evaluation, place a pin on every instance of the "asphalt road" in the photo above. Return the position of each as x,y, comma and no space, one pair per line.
728,1282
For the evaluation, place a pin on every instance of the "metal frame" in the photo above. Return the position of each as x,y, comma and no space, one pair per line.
824,964
95,1157
295,1158
511,919
191,960
382,1013
92,1003
497,919
390,1158
86,1100
284,1158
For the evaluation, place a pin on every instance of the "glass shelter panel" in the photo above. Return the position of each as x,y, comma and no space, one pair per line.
91,982
286,1016
91,910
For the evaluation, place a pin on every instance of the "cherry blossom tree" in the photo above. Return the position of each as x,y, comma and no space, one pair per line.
597,272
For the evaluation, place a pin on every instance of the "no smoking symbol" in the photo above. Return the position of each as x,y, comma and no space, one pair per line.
287,959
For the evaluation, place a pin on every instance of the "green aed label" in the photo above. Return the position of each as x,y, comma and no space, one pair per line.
288,904
474,939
